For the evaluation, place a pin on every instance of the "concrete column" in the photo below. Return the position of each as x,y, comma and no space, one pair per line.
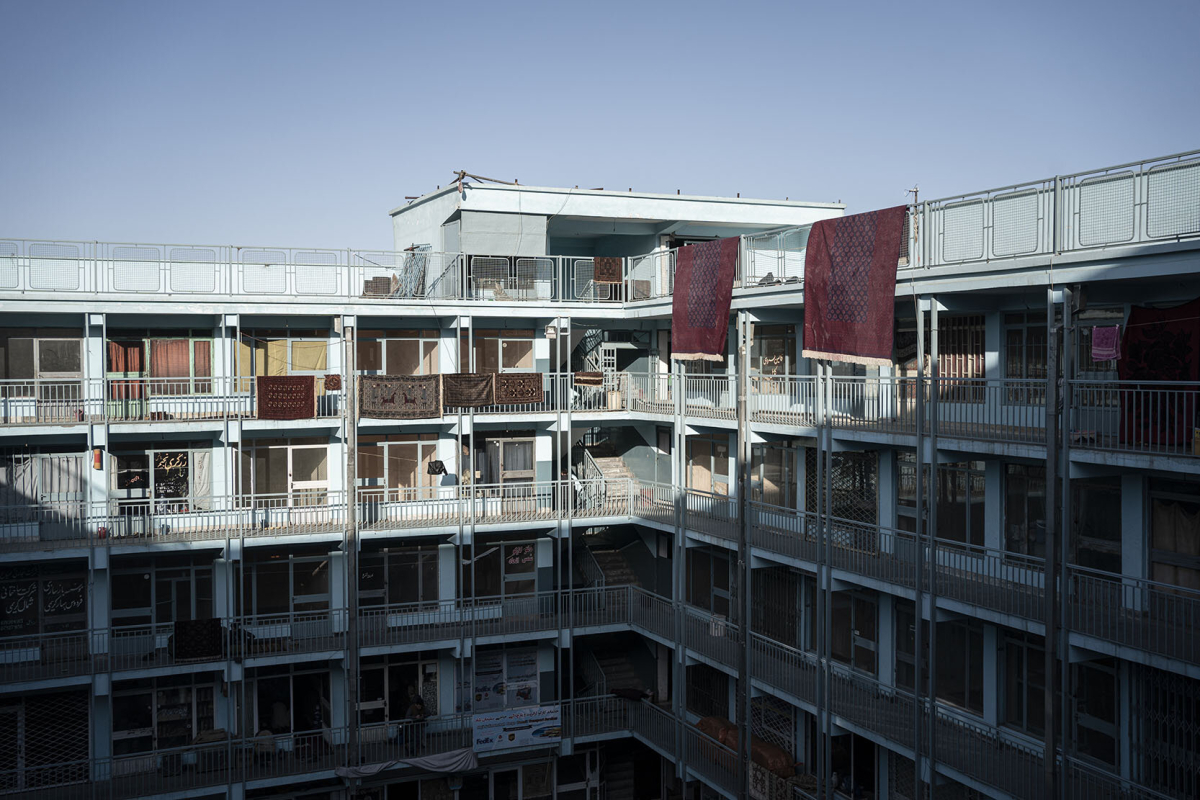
447,681
546,674
448,350
885,646
339,590
993,498
541,348
447,573
1134,532
991,677
993,345
543,455
887,490
99,606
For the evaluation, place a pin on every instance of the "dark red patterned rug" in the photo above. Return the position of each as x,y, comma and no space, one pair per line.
286,397
850,286
700,307
606,270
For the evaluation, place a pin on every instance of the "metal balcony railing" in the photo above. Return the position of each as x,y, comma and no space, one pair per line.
966,746
1121,416
1145,615
135,648
1135,417
117,400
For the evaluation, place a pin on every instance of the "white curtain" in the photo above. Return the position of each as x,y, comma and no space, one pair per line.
202,479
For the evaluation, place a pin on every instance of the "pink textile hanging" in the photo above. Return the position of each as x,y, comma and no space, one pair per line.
1106,343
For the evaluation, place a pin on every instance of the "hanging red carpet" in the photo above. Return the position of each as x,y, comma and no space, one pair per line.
850,286
700,307
400,396
286,396
1160,344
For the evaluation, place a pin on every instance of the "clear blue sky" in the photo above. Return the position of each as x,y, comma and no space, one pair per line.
304,123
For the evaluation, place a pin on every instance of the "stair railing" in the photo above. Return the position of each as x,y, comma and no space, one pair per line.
590,569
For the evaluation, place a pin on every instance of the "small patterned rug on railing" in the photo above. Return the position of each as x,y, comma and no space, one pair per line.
400,396
286,396
469,389
333,382
519,387
700,307
589,378
606,270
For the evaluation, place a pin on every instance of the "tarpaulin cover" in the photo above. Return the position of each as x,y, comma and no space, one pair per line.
463,760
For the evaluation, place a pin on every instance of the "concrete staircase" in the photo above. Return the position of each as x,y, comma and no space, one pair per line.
616,569
619,776
617,477
619,672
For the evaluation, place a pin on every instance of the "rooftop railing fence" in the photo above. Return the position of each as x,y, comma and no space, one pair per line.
1144,202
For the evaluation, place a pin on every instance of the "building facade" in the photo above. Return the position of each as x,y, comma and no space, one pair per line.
767,576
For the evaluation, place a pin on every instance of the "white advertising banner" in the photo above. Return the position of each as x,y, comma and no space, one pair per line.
534,726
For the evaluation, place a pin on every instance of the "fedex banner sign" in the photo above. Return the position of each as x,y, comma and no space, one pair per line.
533,726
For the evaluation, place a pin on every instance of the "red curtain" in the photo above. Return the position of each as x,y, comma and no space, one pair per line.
202,360
170,359
125,357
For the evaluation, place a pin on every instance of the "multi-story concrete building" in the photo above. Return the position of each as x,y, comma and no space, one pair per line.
208,591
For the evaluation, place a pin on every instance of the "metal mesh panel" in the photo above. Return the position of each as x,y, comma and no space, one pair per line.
40,730
855,479
1015,223
775,604
585,286
535,277
643,276
135,269
54,266
262,279
962,231
774,721
490,274
193,269
315,257
1106,209
264,257
316,279
9,276
1173,199
264,273
795,246
1167,738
